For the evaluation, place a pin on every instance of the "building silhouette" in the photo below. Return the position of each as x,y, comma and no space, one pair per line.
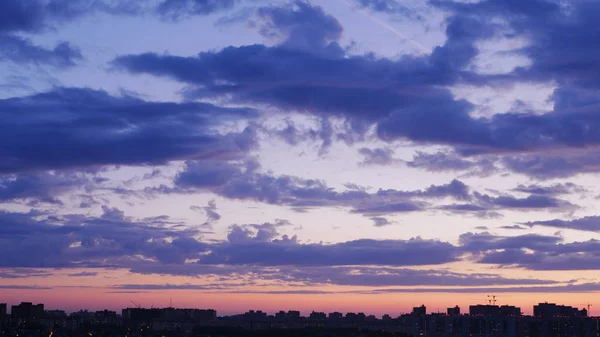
549,320
27,312
420,311
554,310
453,311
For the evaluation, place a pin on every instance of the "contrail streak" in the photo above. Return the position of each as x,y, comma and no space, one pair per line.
390,28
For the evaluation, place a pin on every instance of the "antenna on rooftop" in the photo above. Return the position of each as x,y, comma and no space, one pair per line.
492,299
171,302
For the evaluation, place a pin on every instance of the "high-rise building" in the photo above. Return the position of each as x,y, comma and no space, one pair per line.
317,315
553,310
27,312
453,311
422,310
509,310
484,310
494,310
2,310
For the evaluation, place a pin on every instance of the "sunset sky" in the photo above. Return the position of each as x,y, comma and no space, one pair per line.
331,155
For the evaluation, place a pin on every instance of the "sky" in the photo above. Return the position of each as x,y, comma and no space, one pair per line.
332,155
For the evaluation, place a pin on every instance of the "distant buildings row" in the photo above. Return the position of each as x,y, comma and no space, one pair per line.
549,320
540,310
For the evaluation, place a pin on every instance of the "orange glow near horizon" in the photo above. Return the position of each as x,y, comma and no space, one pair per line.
74,299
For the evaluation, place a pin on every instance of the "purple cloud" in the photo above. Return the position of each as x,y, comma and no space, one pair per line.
86,128
588,223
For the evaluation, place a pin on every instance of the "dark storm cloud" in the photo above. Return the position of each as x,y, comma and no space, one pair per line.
70,127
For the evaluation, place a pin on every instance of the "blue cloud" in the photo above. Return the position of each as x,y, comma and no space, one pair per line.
245,181
22,51
390,7
252,250
324,81
588,223
405,98
41,186
532,251
387,276
113,240
303,27
39,240
175,9
376,156
355,276
381,221
69,127
556,189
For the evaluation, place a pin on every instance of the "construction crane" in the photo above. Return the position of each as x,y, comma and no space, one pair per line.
136,305
588,305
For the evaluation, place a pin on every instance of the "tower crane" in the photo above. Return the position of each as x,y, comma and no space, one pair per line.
588,305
